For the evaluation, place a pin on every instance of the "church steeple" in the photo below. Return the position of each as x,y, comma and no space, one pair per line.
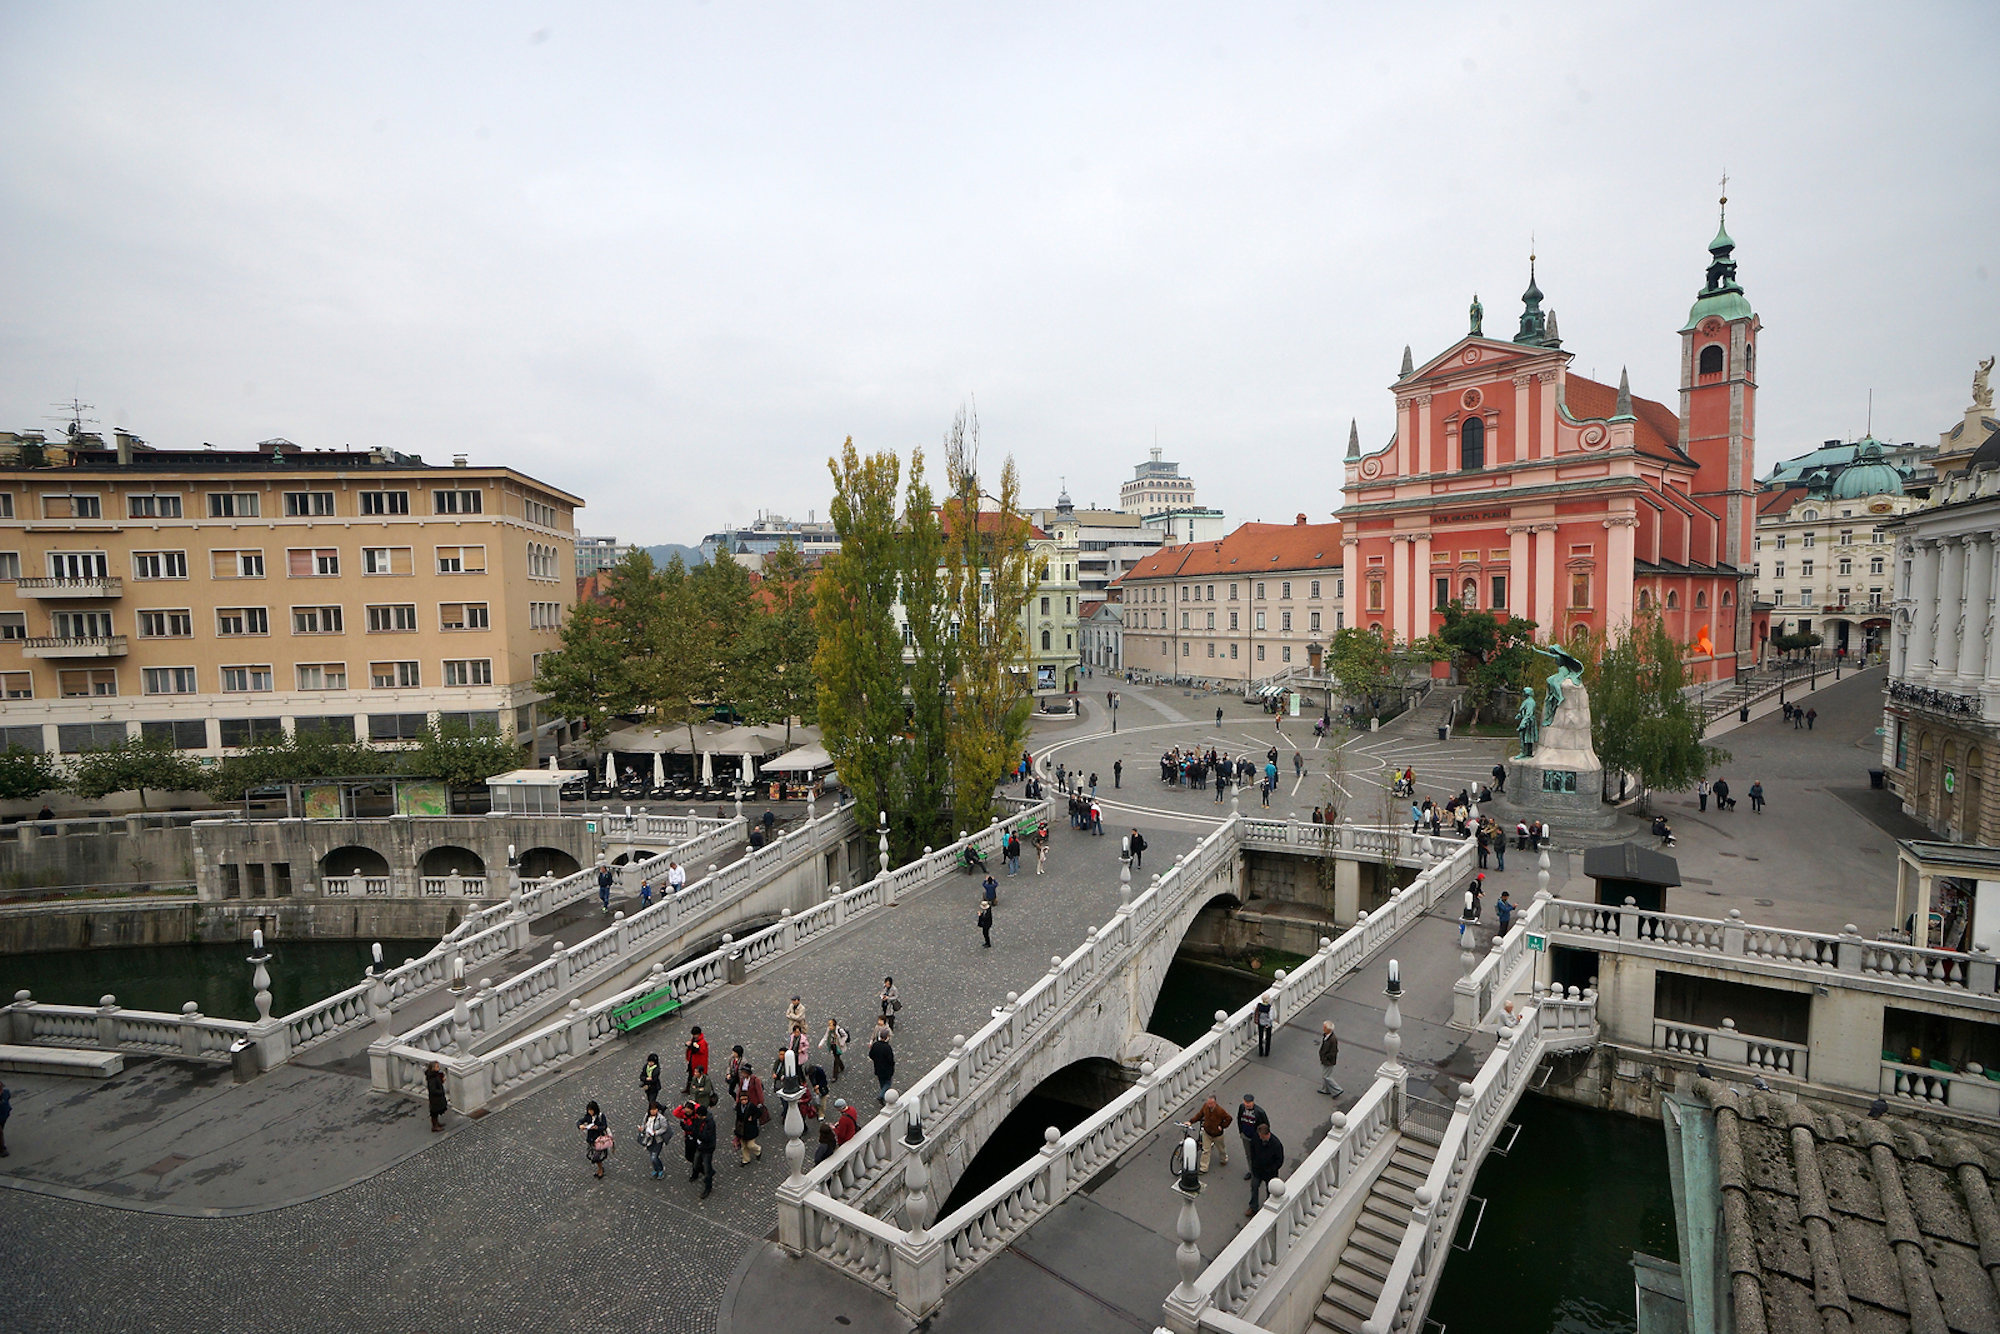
1537,326
1721,258
1353,439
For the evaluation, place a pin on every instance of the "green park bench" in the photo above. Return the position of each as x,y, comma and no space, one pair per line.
644,1009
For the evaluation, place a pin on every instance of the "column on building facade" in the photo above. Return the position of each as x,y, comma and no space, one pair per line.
1353,575
1547,441
1399,586
1420,605
1617,579
1517,570
1423,410
1547,614
1524,437
1950,605
1922,608
1972,645
1406,437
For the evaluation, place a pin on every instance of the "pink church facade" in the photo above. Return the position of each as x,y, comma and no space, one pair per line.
1516,486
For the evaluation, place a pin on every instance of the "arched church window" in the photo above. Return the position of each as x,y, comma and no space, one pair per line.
1700,600
1727,597
1045,639
1645,599
1472,444
1673,601
1711,359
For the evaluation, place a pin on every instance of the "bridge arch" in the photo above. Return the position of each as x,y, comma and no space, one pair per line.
538,862
448,859
353,860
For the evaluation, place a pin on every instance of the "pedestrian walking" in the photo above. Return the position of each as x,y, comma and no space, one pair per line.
1701,793
1093,784
1798,718
6,1110
677,877
891,1003
434,1088
1723,801
1096,818
1012,848
1249,1116
596,1135
883,1057
697,1058
655,1132
749,1120
1212,1120
1810,715
985,921
848,1123
604,886
1504,911
1266,1018
835,1041
1218,717
701,1140
1117,774
1499,778
1267,1160
1041,856
1138,849
1756,797
1329,1056
646,893
1298,764
649,1077
989,890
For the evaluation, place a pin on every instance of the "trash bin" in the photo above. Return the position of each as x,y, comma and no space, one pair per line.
1876,778
1444,732
1743,714
243,1060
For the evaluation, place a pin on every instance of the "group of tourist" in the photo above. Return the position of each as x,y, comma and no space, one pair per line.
694,1115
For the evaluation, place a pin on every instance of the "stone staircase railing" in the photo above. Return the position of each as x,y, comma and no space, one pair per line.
475,1080
189,1034
820,1213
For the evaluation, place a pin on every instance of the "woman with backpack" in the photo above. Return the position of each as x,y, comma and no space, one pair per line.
596,1135
654,1133
835,1041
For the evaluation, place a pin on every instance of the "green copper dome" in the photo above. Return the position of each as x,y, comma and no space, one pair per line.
1868,475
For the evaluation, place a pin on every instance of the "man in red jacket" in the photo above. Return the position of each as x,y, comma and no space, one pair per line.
697,1057
844,1129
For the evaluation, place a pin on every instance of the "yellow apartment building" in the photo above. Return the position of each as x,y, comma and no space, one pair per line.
209,597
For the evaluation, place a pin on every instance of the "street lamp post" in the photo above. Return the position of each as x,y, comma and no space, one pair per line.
1187,1185
1114,710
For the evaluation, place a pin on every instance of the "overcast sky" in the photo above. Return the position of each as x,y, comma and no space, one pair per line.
667,256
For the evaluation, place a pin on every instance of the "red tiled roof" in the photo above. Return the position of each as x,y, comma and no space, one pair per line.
1659,426
1777,502
989,520
1254,548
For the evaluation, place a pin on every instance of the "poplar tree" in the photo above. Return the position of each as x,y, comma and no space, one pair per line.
859,660
932,670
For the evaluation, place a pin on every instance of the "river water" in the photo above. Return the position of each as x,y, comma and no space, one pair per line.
217,977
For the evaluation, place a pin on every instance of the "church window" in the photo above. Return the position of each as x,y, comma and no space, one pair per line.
1673,601
1727,597
1443,591
1499,590
1045,641
1711,359
1645,599
1579,590
1701,600
1472,445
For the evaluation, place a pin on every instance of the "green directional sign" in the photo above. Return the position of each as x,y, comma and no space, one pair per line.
1537,943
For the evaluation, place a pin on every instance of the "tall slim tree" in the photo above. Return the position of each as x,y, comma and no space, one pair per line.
991,575
1642,720
859,661
593,677
933,667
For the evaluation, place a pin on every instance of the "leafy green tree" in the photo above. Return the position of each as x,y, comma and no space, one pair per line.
1641,719
1490,654
1796,643
1360,663
591,678
309,753
134,765
991,576
720,643
925,817
456,754
858,664
777,676
25,774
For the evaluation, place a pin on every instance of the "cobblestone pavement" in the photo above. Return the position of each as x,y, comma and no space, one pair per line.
500,1222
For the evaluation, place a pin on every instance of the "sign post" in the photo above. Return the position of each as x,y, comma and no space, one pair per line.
1538,944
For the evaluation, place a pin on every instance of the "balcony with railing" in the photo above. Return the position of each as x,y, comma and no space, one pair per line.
91,586
73,646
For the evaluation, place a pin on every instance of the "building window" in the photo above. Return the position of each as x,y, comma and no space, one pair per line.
238,732
1700,599
180,733
538,513
463,616
386,560
1315,622
1781,541
167,681
392,618
1285,653
232,505
385,502
546,616
1315,589
75,738
1284,622
1847,537
236,564
1211,648
10,566
308,504
166,624
1232,620
1045,641
1806,539
1184,620
13,625
542,561
1874,565
1260,653
1232,592
6,504
1499,590
86,683
1673,601
1579,590
457,502
17,685
232,621
159,565
461,560
1711,359
1757,544
77,565
1186,649
236,680
317,621
1260,620
152,507
394,675
1260,590
72,507
312,563
322,675
1443,591
81,625
1846,566
1472,445
1805,569
1211,622
1285,590
397,726
1778,569
23,738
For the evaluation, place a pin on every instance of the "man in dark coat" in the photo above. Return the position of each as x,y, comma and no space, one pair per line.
1248,1117
1267,1160
883,1057
434,1085
701,1138
985,921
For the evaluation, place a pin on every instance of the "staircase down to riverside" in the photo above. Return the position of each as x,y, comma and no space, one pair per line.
1371,1247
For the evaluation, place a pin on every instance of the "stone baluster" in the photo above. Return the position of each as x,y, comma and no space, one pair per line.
1980,978
190,1032
1732,933
488,1001
107,1021
1848,953
1125,885
579,1028
1058,1164
559,958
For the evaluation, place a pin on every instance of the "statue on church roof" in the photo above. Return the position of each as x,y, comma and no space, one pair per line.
1982,392
1478,314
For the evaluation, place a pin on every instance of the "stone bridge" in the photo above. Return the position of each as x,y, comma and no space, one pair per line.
866,1210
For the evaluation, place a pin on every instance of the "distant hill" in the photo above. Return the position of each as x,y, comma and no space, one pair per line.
690,556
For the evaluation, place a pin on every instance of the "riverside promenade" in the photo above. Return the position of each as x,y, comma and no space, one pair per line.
169,1198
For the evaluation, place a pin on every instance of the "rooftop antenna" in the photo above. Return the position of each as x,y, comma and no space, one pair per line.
73,415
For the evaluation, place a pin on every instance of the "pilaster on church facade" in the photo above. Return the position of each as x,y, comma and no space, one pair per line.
1514,485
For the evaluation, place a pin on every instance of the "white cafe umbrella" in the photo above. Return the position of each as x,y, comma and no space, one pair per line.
610,771
659,769
708,768
749,769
